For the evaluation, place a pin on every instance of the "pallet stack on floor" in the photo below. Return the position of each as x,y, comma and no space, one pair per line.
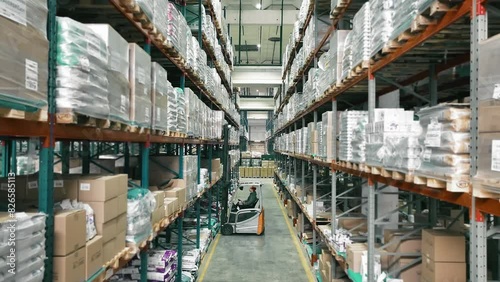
266,170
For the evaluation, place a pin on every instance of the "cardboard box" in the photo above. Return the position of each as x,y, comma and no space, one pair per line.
69,231
443,271
70,267
32,191
159,198
93,253
104,211
121,223
112,227
120,241
489,114
171,206
242,171
413,273
103,188
178,193
122,203
157,215
109,250
354,253
443,245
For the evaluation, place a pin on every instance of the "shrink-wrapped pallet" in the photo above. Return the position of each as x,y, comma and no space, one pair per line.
140,86
178,31
118,72
181,110
382,25
445,146
171,108
328,135
352,136
159,96
82,67
23,77
357,45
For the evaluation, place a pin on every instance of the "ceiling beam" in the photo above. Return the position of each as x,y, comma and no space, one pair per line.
261,17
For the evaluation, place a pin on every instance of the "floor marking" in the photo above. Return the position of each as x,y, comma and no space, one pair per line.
303,261
212,251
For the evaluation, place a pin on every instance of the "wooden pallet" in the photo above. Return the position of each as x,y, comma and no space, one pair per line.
140,130
83,120
486,188
177,134
119,126
134,248
459,184
114,263
40,115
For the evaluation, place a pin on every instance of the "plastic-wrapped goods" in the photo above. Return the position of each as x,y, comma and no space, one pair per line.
145,5
159,97
445,150
352,132
82,68
382,26
181,110
23,77
192,113
405,11
118,72
171,107
160,16
304,9
140,86
327,136
141,203
489,85
357,45
178,31
29,246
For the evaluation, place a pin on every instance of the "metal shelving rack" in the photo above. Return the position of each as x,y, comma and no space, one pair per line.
368,84
89,140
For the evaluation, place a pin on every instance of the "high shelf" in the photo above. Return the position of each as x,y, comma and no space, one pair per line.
444,37
90,141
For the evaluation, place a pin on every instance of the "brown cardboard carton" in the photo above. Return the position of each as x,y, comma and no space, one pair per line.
69,231
157,215
489,115
328,270
216,164
413,273
121,223
159,198
107,229
70,267
176,183
171,206
120,241
242,171
443,271
122,203
103,188
109,250
179,193
93,253
32,191
104,211
248,172
443,246
354,252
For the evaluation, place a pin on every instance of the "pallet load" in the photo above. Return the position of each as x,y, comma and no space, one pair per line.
330,63
382,27
486,183
351,141
23,78
140,87
181,111
192,111
82,57
357,43
171,109
326,150
445,139
118,72
159,97
140,206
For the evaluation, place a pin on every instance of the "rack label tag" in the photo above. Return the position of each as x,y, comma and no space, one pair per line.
14,10
495,155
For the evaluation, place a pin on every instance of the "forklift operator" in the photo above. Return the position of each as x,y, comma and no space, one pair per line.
250,201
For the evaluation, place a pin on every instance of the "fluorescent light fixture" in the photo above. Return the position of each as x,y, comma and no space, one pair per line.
258,6
258,46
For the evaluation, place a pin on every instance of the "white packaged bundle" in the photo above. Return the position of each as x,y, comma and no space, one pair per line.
178,31
159,96
445,150
23,77
382,25
171,108
140,86
181,111
118,72
352,129
141,203
82,67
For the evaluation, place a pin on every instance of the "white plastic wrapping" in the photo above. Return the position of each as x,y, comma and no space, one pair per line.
181,110
82,66
159,96
140,86
352,136
140,205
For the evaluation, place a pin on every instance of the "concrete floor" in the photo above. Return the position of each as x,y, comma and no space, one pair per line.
271,257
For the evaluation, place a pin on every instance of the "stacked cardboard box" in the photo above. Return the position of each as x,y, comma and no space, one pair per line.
176,189
216,167
69,246
443,256
162,168
325,265
159,211
107,195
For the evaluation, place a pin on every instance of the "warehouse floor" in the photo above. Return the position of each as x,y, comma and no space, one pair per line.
272,257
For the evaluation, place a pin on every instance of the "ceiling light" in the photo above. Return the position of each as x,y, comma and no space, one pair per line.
258,6
258,46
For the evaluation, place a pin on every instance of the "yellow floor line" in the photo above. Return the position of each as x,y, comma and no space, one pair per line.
303,261
207,263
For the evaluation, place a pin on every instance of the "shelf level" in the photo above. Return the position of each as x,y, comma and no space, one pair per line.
169,53
490,206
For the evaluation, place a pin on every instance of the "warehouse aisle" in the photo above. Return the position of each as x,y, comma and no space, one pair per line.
272,257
